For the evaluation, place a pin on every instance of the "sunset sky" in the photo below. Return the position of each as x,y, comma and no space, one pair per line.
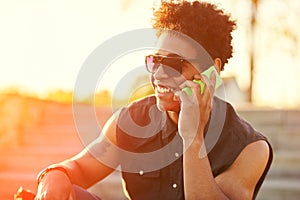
43,44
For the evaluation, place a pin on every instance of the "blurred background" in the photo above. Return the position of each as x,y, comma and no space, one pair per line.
43,45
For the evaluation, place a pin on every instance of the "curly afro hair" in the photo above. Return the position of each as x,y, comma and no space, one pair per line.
202,21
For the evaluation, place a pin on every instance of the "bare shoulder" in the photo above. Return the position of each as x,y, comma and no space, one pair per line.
253,159
257,151
260,145
242,176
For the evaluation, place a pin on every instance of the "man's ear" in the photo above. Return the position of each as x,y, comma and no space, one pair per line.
218,64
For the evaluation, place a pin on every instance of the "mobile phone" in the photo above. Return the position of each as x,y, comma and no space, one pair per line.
207,73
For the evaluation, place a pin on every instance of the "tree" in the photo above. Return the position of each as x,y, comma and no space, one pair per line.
254,6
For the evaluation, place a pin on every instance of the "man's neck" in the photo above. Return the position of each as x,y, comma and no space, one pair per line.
173,116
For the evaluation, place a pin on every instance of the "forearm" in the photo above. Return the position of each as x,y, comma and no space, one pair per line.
199,182
83,169
55,181
73,170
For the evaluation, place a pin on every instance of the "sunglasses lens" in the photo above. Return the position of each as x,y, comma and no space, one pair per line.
171,65
150,65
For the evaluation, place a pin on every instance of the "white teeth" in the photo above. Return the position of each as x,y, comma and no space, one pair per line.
164,89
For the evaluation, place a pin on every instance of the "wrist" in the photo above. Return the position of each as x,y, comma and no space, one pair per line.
192,138
45,171
196,146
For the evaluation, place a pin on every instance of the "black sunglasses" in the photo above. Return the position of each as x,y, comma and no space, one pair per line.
172,64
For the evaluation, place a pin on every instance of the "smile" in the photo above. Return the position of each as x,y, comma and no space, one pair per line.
164,90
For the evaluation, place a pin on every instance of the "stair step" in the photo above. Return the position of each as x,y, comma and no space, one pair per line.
271,117
28,159
285,164
50,135
11,182
280,189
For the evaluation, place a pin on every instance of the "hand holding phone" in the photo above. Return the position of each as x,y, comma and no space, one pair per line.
207,73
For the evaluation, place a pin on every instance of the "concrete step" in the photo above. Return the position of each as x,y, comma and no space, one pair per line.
280,189
60,128
12,181
283,138
20,166
282,127
51,135
261,116
32,159
285,164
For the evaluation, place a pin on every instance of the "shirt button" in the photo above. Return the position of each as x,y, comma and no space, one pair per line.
174,185
176,155
141,172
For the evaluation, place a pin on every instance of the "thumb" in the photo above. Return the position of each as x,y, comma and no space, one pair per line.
182,96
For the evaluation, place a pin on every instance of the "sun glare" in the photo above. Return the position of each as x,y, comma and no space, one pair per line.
45,43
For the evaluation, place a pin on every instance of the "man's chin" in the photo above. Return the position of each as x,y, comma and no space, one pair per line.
161,108
168,105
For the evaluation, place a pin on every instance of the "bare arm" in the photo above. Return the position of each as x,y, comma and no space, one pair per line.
87,168
238,182
84,169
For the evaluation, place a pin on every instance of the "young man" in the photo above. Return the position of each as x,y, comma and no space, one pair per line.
160,139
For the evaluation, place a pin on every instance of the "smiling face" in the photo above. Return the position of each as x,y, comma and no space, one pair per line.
166,79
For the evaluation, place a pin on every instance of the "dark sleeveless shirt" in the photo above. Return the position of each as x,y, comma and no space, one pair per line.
155,171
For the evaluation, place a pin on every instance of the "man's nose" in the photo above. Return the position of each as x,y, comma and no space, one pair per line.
165,72
160,73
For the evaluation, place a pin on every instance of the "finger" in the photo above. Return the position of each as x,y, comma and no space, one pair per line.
209,83
183,96
72,195
185,84
193,88
197,76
